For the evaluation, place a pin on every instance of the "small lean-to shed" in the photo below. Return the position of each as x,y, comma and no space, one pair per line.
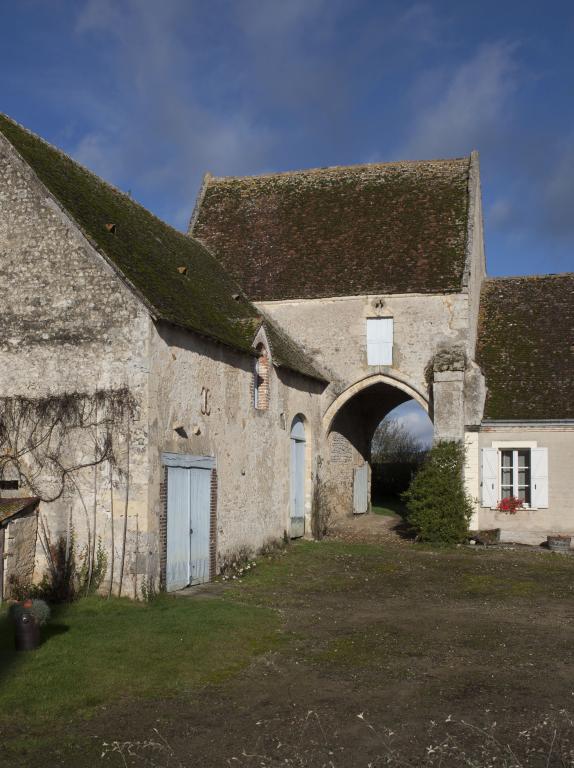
18,533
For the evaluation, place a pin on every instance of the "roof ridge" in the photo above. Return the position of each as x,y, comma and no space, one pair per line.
92,173
211,179
150,255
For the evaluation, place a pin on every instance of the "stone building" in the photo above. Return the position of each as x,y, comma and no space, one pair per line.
228,382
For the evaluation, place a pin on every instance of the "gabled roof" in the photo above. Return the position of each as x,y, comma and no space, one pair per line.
378,228
9,508
525,346
175,275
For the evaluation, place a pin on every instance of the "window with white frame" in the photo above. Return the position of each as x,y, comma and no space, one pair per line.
515,474
379,340
521,472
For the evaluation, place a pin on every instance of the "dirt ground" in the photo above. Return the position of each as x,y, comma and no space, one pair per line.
392,654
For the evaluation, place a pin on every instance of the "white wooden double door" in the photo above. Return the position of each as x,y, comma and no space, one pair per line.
188,520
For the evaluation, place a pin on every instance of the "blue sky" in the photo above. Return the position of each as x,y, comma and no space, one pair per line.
151,94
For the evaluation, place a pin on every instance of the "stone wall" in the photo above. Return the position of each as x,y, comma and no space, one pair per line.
532,526
333,331
20,551
251,446
69,325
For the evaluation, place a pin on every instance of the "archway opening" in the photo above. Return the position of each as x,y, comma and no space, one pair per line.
358,414
398,447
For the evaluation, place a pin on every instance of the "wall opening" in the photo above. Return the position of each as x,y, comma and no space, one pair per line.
261,379
353,426
398,447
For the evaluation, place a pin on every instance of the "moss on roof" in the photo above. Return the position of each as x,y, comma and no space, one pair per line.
380,228
283,348
526,346
147,251
11,507
178,277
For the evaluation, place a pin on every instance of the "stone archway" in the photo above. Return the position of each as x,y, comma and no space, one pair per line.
349,424
378,378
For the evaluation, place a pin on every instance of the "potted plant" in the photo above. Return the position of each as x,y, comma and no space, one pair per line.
28,616
510,505
558,542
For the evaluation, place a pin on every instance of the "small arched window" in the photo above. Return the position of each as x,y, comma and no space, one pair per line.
261,379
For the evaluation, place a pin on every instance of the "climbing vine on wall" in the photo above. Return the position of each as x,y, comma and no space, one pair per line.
48,443
44,441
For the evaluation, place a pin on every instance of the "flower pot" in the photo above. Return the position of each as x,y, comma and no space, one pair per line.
488,537
26,632
559,543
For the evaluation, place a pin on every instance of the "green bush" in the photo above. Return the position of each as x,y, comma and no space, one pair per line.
438,508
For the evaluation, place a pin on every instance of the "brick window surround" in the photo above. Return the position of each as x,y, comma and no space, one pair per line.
260,386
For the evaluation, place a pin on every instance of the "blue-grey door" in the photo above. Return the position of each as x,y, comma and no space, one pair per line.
188,523
361,489
298,450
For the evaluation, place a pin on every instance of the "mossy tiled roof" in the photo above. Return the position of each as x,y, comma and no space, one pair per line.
179,279
11,507
284,349
379,228
526,347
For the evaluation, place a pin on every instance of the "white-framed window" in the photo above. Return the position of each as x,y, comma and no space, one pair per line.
515,474
379,340
518,471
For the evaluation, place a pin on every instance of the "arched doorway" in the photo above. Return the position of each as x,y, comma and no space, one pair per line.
298,474
350,423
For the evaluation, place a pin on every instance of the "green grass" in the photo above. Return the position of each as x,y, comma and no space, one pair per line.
98,651
389,506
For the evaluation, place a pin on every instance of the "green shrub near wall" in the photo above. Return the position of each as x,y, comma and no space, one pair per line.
438,507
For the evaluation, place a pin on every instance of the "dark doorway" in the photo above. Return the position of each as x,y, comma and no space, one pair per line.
398,448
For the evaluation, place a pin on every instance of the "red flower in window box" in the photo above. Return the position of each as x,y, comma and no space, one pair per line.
510,505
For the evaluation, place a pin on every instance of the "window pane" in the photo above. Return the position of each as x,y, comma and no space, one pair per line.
506,458
506,477
523,458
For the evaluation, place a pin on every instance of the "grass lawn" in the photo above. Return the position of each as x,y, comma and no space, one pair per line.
327,651
389,506
97,651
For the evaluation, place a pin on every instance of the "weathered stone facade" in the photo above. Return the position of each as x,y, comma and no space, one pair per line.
140,347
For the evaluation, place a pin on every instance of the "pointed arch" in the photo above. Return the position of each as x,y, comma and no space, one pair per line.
369,381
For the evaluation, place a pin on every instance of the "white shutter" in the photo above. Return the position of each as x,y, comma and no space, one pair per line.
539,476
489,477
380,340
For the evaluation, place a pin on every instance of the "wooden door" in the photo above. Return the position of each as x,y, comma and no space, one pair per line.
188,524
178,525
361,489
200,486
298,451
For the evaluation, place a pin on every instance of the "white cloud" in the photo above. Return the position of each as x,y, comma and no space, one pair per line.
558,193
469,108
167,131
499,213
415,420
